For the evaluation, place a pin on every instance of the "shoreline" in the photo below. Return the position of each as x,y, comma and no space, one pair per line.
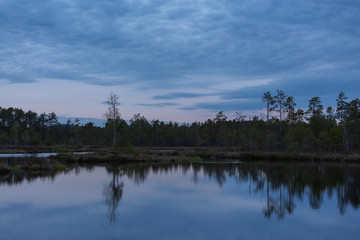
149,154
65,157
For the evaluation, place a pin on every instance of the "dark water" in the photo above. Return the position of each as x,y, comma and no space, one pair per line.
200,201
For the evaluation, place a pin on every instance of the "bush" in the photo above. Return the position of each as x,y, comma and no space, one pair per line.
64,153
129,149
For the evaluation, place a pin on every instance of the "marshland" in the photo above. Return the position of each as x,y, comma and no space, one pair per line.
290,174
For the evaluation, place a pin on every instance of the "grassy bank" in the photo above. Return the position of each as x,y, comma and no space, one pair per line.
300,157
189,155
131,154
46,149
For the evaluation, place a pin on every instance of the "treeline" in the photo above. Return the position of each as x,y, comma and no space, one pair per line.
289,129
21,128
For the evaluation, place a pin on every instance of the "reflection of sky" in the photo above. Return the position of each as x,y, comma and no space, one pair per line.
165,206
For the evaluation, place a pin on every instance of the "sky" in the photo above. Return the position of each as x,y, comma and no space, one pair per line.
179,60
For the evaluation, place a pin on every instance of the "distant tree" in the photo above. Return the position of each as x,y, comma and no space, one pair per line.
77,131
15,132
342,114
221,132
269,101
280,100
112,113
299,115
140,130
290,109
330,117
51,121
317,121
220,117
354,123
315,107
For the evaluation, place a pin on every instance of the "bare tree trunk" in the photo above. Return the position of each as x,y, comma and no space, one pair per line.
113,112
345,138
114,133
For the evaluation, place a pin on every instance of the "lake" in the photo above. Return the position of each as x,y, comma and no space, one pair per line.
33,155
184,201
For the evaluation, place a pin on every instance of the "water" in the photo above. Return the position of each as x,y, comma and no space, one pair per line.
32,155
199,201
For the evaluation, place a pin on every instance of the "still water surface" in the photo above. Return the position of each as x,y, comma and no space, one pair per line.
199,201
33,155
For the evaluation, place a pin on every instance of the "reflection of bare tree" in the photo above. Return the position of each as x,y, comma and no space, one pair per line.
113,193
282,184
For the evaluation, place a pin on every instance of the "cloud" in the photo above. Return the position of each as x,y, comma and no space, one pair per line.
237,105
158,104
189,49
179,95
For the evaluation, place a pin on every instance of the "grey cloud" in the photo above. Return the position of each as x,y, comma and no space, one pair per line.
159,43
237,105
158,104
180,95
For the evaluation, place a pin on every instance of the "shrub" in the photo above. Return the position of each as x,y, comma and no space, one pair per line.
130,149
64,153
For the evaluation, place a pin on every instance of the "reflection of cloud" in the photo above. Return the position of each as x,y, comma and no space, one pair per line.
65,190
189,196
226,203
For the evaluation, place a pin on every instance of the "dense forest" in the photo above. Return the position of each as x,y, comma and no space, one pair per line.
284,128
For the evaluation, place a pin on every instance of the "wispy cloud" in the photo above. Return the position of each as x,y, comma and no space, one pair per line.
180,95
158,104
229,106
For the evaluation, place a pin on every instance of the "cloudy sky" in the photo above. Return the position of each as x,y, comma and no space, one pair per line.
181,60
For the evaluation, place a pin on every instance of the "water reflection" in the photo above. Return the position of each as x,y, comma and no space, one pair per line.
283,185
113,192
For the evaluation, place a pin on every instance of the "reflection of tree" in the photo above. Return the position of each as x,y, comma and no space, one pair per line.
196,171
282,184
280,206
282,201
113,193
137,173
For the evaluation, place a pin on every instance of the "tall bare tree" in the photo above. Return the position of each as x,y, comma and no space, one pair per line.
112,112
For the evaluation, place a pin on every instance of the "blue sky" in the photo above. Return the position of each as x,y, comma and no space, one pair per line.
177,60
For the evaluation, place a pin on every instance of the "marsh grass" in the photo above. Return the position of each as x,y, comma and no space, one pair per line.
301,157
64,153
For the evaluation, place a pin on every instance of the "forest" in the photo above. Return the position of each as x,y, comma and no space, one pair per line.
283,128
